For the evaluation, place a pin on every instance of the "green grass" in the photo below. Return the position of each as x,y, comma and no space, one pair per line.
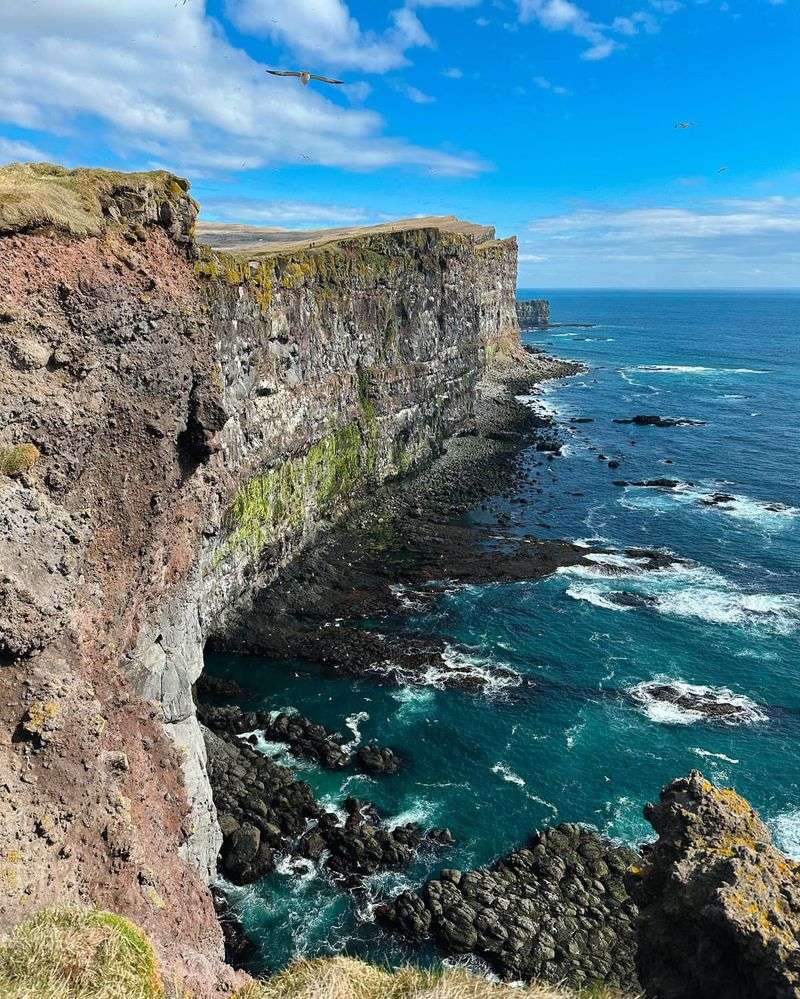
78,954
42,194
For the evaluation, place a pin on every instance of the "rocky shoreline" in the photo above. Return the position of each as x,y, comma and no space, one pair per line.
397,551
389,557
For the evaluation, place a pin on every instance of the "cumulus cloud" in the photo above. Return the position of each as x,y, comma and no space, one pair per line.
714,242
325,31
563,15
164,86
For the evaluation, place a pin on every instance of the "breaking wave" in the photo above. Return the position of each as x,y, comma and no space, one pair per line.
685,591
695,369
674,702
508,775
770,515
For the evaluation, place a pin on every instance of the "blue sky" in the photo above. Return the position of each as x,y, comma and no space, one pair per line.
551,119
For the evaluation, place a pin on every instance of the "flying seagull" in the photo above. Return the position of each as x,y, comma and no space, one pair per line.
304,77
722,170
684,124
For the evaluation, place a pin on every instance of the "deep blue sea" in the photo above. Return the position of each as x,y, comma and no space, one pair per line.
585,743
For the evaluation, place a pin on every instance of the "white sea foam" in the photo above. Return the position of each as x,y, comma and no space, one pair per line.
278,752
768,515
406,597
745,711
458,666
353,722
695,369
708,755
616,559
785,829
685,591
421,811
413,701
507,774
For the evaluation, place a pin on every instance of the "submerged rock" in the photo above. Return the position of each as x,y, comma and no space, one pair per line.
720,906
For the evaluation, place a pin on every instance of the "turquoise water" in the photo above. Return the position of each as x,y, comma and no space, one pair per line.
576,745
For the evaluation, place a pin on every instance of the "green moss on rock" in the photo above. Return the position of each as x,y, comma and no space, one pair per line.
283,498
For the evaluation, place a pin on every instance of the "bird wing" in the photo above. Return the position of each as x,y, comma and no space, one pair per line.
283,72
326,79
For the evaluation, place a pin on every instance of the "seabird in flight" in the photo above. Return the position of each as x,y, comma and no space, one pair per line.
684,124
304,77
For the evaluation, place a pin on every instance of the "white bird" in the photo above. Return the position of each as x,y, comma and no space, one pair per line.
684,124
304,77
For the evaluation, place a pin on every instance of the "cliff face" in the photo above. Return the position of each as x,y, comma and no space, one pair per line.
197,417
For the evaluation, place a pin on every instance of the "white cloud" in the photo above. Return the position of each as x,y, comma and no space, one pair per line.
414,94
11,150
714,242
544,84
325,31
454,4
632,24
161,85
279,214
453,73
731,217
563,15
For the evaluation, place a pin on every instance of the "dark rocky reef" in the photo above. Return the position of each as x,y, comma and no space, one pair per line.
650,420
305,738
557,910
719,905
265,813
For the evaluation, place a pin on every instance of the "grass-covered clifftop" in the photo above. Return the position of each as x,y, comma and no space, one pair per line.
88,954
83,202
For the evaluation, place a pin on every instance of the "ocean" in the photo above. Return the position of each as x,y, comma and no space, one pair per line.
588,741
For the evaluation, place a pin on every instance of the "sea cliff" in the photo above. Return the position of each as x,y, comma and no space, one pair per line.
177,422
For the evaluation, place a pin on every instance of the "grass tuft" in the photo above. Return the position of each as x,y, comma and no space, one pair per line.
346,978
78,954
19,459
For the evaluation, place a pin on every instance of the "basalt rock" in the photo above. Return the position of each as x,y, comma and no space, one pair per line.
305,738
719,905
556,910
264,812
